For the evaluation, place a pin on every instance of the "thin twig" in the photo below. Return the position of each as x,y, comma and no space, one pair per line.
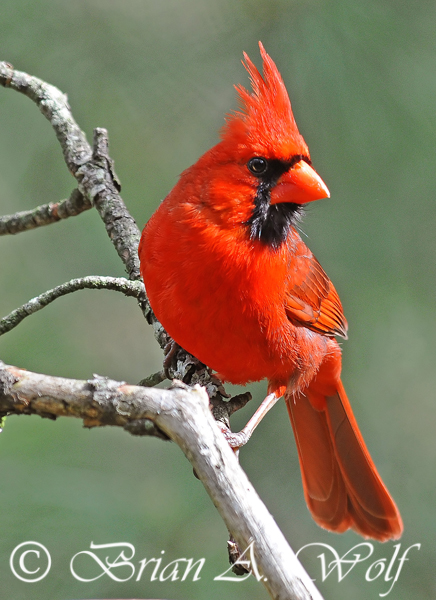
92,282
153,379
44,214
183,414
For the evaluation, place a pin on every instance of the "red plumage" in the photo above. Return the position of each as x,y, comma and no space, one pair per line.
230,279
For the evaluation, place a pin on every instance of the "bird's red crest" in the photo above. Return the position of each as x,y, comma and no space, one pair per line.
266,123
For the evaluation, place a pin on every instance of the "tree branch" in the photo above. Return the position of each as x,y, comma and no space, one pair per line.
92,282
44,214
183,414
93,170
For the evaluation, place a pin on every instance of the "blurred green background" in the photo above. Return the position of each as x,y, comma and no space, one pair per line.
159,75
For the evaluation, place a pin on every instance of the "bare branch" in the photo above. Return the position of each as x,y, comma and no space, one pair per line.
44,214
93,171
92,282
183,414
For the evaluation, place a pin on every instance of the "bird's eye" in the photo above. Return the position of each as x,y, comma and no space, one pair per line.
258,165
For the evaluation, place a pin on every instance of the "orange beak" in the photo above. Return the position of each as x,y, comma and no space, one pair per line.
300,184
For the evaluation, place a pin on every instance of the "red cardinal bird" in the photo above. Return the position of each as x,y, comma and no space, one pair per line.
231,281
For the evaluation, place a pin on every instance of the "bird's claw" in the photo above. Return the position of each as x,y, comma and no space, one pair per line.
170,351
235,440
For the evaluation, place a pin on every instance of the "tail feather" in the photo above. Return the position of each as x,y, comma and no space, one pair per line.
341,484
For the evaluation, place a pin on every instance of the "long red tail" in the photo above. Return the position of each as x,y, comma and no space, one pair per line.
341,484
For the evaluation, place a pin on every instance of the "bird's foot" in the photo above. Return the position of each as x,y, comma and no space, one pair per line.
170,352
237,440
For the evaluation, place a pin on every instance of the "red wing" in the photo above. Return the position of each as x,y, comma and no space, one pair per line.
312,300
